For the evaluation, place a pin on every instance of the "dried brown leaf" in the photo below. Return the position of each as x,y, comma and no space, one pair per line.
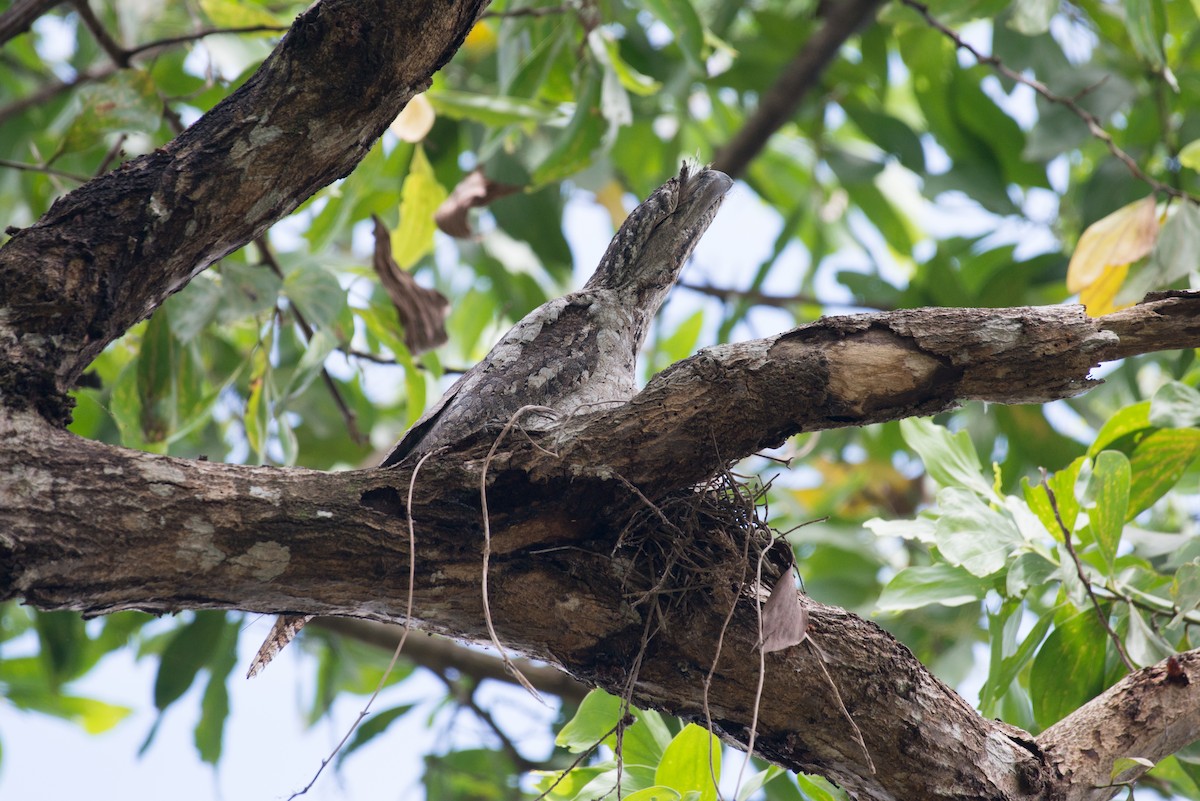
472,191
422,311
784,618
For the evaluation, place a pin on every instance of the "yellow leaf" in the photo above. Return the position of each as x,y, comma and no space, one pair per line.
1121,238
481,41
235,14
420,197
611,197
1097,297
415,120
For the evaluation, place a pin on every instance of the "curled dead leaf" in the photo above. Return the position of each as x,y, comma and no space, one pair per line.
475,190
422,311
784,618
415,120
1106,249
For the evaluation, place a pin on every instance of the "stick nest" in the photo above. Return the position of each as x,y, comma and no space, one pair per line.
699,540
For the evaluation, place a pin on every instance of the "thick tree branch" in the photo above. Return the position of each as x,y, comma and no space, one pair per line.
780,101
110,252
20,15
272,540
441,654
732,400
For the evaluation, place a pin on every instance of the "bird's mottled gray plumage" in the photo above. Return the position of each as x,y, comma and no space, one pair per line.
574,351
580,350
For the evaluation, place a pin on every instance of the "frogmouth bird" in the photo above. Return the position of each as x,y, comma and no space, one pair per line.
580,351
577,352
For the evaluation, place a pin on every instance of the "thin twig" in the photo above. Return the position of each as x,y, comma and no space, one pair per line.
111,155
192,37
1087,584
527,12
412,583
20,165
118,54
487,547
838,697
466,697
762,668
347,413
1089,119
712,668
99,73
579,759
759,298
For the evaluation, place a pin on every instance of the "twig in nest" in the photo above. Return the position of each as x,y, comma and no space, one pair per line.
412,580
841,705
487,547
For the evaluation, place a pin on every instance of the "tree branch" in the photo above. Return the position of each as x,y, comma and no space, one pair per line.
439,653
261,539
858,369
306,118
781,100
20,15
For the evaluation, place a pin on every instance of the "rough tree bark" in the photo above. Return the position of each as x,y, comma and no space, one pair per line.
96,528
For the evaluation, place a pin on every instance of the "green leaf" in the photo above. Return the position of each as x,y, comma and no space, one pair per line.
680,344
158,364
372,727
593,721
1145,645
1032,17
583,135
608,51
95,717
923,585
1027,571
1185,586
192,309
1062,484
127,102
817,788
950,459
1158,462
214,705
420,197
189,649
643,743
1122,764
1109,490
1189,155
691,762
248,290
1004,666
656,793
62,642
682,20
257,414
316,293
236,14
972,535
1175,405
1069,668
492,110
758,781
1128,420
1140,22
